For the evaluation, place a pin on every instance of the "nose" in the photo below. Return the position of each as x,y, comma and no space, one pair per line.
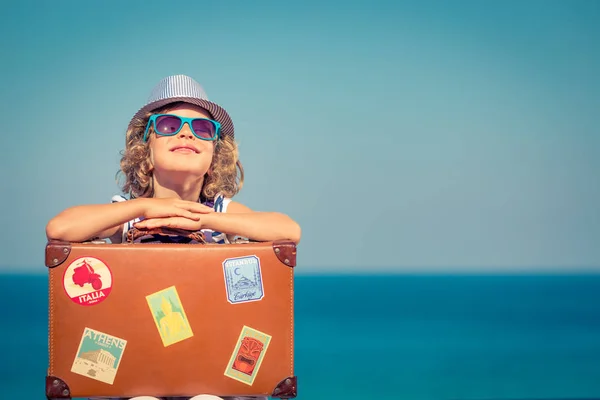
186,130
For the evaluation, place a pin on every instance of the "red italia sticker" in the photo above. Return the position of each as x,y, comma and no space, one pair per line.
87,281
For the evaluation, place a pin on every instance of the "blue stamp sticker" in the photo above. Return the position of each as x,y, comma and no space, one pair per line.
243,280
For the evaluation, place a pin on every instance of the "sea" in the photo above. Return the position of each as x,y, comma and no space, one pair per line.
403,336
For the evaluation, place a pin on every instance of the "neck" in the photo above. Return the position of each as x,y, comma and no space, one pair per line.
186,189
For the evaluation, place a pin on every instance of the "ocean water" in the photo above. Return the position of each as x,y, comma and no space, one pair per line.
392,337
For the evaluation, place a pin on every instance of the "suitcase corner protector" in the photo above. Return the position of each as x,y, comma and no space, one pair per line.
56,388
287,388
285,251
57,252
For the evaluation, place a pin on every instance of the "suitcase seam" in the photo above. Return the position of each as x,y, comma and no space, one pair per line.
291,321
50,324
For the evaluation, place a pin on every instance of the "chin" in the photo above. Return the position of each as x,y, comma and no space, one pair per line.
181,169
186,171
181,165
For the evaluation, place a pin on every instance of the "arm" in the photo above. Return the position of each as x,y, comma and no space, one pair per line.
260,226
80,223
238,220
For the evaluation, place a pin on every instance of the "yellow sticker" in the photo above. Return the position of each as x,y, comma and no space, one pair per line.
169,316
98,356
247,355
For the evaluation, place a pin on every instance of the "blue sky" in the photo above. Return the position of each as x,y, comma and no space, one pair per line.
400,135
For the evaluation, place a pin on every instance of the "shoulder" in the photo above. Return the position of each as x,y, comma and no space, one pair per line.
118,198
223,204
127,225
226,204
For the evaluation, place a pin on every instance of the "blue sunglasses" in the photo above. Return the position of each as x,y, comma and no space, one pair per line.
169,125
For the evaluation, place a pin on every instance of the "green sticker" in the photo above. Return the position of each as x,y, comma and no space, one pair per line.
169,316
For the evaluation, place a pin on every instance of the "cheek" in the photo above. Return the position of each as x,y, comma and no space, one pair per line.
208,148
157,150
208,152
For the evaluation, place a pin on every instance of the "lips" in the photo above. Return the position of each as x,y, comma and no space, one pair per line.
184,148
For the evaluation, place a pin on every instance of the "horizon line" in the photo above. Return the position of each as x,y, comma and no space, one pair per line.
428,270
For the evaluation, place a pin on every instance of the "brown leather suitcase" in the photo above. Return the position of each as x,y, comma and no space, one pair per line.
171,319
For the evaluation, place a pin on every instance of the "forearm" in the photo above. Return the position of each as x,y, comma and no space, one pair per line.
259,226
82,223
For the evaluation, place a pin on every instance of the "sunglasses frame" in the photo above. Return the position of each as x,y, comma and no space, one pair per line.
184,120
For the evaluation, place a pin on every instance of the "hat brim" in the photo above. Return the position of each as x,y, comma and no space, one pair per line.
218,113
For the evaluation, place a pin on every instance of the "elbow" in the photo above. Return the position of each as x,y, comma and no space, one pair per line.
55,230
296,233
52,231
287,229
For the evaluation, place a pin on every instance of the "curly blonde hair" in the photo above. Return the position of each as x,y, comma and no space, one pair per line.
225,176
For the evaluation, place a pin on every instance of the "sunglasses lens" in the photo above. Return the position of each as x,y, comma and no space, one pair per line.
204,129
167,125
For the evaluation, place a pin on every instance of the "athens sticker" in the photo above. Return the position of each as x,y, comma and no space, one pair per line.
169,316
247,355
243,279
98,356
87,281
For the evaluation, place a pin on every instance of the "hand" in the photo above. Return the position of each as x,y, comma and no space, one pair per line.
170,222
167,208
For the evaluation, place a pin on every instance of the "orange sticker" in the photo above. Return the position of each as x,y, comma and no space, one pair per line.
248,355
87,281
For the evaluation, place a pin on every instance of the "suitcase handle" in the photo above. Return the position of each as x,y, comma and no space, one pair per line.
135,233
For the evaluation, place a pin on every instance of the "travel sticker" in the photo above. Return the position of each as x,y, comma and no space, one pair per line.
248,355
98,356
87,281
243,280
169,316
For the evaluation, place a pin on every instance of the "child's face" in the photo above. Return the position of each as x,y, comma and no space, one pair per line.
183,152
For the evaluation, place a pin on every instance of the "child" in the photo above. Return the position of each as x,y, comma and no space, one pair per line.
181,170
177,176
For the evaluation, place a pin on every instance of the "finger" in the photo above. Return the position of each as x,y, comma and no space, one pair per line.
141,225
194,208
183,213
154,223
151,223
184,223
175,212
201,208
170,222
